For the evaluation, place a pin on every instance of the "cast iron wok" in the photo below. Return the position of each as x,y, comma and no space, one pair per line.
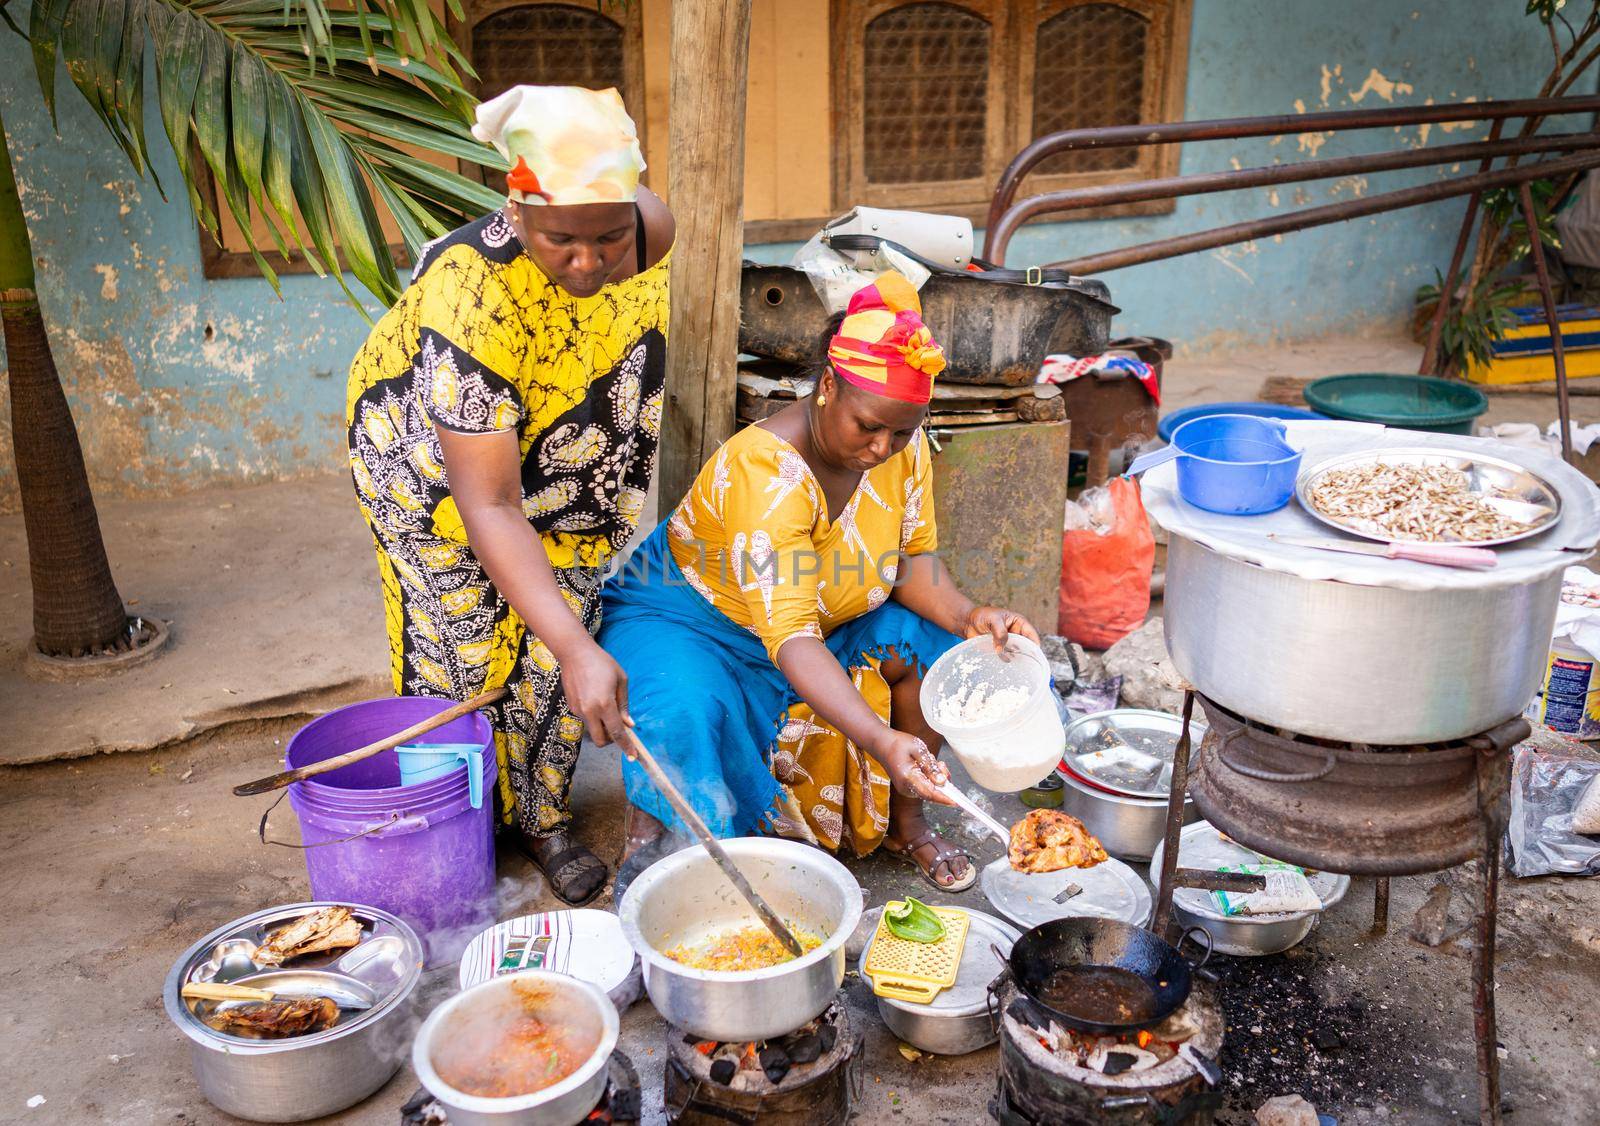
1111,976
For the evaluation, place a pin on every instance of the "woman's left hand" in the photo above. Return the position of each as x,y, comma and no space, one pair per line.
999,623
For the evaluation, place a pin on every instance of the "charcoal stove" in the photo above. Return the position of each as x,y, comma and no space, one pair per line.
1163,1075
803,1078
1356,809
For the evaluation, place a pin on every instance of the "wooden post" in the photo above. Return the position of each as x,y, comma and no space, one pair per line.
705,179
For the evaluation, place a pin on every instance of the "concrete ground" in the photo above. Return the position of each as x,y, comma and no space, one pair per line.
116,863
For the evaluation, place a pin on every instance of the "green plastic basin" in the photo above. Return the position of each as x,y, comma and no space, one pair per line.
1414,402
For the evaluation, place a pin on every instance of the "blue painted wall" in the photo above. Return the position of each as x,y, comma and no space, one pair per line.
179,381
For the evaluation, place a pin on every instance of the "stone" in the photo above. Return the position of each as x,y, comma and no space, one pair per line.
1149,678
1058,652
1432,919
1286,1110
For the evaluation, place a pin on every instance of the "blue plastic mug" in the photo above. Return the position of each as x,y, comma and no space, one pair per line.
1235,464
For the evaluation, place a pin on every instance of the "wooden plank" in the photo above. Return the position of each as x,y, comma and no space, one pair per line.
972,419
710,58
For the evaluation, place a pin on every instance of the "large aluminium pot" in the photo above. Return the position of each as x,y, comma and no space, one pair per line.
1363,664
302,1077
684,898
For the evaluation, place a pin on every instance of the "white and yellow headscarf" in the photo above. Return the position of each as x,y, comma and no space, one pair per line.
566,144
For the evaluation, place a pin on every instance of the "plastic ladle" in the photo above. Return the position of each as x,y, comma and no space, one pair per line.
970,807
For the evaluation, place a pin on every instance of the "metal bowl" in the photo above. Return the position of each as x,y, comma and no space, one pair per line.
1490,477
1138,733
1239,935
957,1021
684,898
566,1103
1129,828
300,1077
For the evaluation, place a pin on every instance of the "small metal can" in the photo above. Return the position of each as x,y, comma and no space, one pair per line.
1045,795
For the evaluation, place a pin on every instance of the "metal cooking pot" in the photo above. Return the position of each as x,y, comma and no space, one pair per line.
958,1020
1129,828
582,1006
302,1077
684,898
1365,664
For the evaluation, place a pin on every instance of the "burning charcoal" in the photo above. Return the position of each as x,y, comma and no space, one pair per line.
1118,1062
1327,1039
776,1063
806,1048
722,1071
827,1034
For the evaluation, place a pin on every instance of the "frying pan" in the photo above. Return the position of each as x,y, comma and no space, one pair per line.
1109,976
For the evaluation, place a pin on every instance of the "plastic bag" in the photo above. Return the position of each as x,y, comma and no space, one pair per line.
1546,789
1105,566
837,277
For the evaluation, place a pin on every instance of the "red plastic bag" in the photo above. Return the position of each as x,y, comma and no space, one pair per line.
1105,570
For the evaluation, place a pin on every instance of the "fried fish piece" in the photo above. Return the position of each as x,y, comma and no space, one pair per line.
332,928
273,1020
1047,840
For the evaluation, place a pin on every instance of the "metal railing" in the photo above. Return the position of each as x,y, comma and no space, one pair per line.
1007,213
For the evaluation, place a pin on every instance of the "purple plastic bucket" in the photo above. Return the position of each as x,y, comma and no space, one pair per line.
420,852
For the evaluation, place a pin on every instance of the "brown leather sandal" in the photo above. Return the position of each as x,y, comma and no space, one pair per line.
943,854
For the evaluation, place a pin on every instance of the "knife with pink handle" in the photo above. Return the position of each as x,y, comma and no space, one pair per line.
1439,554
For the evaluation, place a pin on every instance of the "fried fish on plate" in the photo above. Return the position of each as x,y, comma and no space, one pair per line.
273,1020
331,928
1047,840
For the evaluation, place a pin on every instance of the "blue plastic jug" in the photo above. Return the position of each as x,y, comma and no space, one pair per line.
423,762
1235,464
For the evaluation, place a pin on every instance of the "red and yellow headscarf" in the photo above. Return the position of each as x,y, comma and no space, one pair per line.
883,346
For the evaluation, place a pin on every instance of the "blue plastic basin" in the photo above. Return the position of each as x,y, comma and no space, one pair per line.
1177,418
1239,465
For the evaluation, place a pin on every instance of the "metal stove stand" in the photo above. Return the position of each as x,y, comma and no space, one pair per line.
1492,769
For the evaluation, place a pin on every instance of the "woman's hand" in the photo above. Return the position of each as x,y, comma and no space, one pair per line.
597,692
999,623
912,769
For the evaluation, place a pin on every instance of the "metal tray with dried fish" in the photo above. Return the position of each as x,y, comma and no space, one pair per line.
1429,495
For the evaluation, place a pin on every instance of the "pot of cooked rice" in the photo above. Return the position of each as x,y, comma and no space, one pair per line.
524,1049
711,968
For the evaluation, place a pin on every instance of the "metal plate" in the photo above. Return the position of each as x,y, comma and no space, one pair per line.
1489,477
1200,845
1109,748
1111,890
970,992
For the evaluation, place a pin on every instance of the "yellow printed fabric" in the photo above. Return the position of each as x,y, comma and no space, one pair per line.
481,342
755,539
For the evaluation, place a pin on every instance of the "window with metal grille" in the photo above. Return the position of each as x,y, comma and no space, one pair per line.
1088,70
547,44
934,97
926,70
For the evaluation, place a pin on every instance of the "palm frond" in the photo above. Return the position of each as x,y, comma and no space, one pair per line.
306,117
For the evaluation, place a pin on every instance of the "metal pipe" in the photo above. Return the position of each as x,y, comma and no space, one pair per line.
1005,227
1380,904
1530,216
1122,136
1493,766
1320,216
1169,848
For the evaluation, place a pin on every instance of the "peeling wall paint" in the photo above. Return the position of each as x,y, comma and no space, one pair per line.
178,381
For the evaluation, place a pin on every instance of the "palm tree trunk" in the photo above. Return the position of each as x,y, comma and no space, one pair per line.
76,607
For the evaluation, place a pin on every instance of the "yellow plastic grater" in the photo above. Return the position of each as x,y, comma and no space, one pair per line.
916,972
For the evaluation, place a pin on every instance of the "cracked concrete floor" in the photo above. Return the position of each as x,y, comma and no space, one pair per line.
114,864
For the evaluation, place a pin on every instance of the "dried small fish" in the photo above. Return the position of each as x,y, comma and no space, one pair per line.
1426,503
332,928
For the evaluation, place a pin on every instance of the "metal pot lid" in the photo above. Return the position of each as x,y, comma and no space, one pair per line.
1520,493
969,995
1201,845
1111,890
387,961
1127,750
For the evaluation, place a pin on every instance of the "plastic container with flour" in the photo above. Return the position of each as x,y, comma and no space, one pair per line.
997,712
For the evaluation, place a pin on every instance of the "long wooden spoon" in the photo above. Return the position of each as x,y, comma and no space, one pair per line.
456,711
636,751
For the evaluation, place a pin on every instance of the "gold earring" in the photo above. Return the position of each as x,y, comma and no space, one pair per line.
822,400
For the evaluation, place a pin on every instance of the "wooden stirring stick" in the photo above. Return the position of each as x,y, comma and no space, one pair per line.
644,758
278,781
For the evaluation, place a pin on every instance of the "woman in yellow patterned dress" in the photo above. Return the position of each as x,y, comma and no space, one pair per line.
503,417
776,628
